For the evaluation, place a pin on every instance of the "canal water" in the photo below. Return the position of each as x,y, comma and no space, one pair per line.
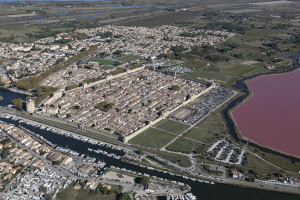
201,190
8,96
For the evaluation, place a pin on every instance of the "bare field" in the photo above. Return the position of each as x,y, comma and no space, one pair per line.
160,19
269,3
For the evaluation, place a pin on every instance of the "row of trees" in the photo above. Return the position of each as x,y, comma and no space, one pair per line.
18,103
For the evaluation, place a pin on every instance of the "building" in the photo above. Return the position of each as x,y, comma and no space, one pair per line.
30,107
92,184
85,170
51,110
106,186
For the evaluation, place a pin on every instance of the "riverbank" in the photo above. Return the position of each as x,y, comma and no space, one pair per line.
16,90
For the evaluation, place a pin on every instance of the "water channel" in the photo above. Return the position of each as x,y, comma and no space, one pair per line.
201,190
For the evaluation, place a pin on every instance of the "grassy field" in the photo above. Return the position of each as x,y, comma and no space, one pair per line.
183,145
100,61
127,58
71,194
209,75
277,160
153,138
257,35
172,126
240,70
200,134
181,160
158,20
208,129
260,166
195,64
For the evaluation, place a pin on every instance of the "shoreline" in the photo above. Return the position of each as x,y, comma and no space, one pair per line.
16,91
228,111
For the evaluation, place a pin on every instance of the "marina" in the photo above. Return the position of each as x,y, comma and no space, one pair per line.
90,150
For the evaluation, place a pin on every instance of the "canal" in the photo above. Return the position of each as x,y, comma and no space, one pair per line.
8,96
201,190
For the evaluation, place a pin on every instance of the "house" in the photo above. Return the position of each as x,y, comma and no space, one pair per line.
92,184
66,160
235,174
7,177
106,186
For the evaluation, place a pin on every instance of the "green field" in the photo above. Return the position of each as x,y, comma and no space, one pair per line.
100,61
182,160
277,160
71,194
240,70
183,145
195,64
127,58
207,130
153,138
257,35
210,75
172,126
200,134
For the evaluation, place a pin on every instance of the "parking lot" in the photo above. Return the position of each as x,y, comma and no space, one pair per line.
212,100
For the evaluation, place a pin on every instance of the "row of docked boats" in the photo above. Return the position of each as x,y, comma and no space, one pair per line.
187,196
99,151
66,134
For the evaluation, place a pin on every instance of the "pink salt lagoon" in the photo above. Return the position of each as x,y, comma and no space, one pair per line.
271,116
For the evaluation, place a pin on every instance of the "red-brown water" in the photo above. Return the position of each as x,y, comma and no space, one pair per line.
271,116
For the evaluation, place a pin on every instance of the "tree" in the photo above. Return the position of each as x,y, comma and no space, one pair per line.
103,106
111,191
1,62
5,141
175,87
124,196
144,180
117,63
18,103
43,189
56,162
39,91
5,153
10,72
140,152
60,60
104,190
48,196
118,53
149,60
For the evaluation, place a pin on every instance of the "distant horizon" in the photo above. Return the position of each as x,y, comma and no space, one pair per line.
54,0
